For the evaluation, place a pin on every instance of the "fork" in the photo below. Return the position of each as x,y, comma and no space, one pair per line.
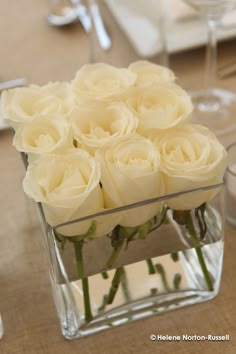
12,83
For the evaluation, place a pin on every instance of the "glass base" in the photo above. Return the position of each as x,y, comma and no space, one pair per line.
215,110
178,281
145,308
173,260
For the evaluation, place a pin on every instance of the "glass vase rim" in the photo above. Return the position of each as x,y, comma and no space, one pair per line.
130,206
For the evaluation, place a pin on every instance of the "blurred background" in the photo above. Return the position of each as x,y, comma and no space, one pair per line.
38,51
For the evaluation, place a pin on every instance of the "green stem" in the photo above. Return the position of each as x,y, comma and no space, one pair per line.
124,286
200,216
151,268
175,256
78,245
115,285
153,291
176,281
105,275
103,305
117,244
126,293
115,253
161,271
192,232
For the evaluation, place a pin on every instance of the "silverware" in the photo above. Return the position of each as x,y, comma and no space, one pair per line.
227,69
12,84
102,34
62,13
67,12
62,20
71,11
83,15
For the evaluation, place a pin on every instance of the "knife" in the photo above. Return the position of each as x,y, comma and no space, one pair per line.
102,34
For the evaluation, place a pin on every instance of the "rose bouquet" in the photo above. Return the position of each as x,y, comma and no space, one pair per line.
112,158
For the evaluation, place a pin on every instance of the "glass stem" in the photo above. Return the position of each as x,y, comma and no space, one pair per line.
164,60
211,59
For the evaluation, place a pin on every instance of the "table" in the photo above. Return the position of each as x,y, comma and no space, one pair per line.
32,49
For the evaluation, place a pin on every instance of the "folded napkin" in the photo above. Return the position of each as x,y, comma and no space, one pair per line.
139,20
229,19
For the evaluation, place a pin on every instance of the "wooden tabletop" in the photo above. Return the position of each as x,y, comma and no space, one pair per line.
30,48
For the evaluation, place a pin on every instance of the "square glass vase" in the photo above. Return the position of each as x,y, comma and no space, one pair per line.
171,260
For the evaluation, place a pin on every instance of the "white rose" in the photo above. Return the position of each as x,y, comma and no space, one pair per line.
44,135
23,104
130,173
159,106
148,73
102,81
96,124
68,188
191,157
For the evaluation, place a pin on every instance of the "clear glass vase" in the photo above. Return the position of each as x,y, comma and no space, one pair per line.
172,260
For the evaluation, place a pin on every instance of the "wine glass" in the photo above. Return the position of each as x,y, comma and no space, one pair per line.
136,28
214,107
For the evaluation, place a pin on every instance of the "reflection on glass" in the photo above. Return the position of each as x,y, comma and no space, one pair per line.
1,328
231,185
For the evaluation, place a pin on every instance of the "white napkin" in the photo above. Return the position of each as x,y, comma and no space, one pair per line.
139,21
177,11
229,19
184,29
